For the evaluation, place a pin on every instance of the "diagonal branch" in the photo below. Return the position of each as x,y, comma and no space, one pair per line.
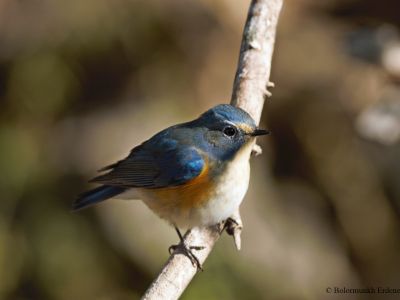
249,91
254,67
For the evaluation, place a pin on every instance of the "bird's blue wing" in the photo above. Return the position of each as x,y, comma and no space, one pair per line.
158,163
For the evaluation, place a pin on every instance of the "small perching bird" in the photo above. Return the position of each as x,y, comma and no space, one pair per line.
190,174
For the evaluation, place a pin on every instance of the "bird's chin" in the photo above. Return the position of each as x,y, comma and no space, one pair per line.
247,147
249,139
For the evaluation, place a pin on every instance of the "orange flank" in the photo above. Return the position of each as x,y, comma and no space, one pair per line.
182,198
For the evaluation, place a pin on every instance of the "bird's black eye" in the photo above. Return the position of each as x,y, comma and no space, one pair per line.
229,131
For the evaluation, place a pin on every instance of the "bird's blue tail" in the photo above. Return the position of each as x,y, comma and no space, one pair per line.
96,195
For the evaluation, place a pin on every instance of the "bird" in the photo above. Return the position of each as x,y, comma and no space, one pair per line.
193,174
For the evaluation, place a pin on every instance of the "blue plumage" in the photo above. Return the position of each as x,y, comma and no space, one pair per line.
153,166
226,112
96,195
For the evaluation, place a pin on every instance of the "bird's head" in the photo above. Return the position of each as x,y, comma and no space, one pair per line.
228,129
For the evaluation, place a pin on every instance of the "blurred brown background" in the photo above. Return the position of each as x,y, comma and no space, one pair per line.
82,82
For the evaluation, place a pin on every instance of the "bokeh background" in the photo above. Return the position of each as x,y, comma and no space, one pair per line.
82,82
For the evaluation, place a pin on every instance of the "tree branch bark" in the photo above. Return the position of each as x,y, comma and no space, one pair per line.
249,91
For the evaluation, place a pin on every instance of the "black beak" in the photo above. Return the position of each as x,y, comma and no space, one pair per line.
258,132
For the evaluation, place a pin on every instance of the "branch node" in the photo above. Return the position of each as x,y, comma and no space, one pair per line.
255,45
267,93
257,150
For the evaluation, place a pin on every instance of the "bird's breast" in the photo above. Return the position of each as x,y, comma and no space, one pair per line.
209,198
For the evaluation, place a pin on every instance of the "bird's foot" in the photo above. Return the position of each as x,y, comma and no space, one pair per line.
186,250
233,226
229,225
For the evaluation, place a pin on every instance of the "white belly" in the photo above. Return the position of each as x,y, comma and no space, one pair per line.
230,190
